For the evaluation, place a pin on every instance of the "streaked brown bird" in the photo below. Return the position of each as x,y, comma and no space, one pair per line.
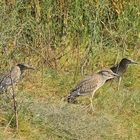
90,84
12,77
121,68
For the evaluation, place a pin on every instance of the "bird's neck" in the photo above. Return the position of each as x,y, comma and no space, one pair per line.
15,73
104,79
122,67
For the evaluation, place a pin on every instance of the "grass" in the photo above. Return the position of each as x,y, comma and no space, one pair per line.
45,115
66,41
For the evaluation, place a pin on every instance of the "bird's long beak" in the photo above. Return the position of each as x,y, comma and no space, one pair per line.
133,62
115,74
30,67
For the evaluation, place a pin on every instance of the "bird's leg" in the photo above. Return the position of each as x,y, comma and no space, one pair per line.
91,101
119,83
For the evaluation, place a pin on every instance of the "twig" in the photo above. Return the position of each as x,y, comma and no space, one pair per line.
14,105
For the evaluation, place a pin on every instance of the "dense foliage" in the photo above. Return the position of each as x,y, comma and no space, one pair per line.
66,40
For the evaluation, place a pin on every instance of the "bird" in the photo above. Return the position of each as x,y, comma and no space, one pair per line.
11,78
90,84
121,68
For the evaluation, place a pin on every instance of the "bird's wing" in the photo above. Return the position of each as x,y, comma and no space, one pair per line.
5,81
86,86
3,75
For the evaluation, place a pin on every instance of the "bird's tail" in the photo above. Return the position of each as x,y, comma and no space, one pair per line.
72,96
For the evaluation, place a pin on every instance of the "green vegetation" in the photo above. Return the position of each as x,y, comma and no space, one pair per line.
66,40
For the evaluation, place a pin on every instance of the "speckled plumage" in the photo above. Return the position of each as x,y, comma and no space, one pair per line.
13,76
90,84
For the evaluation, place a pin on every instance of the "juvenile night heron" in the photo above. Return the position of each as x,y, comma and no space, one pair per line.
90,84
121,68
13,76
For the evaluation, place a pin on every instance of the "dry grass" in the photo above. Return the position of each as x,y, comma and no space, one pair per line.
66,41
42,115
